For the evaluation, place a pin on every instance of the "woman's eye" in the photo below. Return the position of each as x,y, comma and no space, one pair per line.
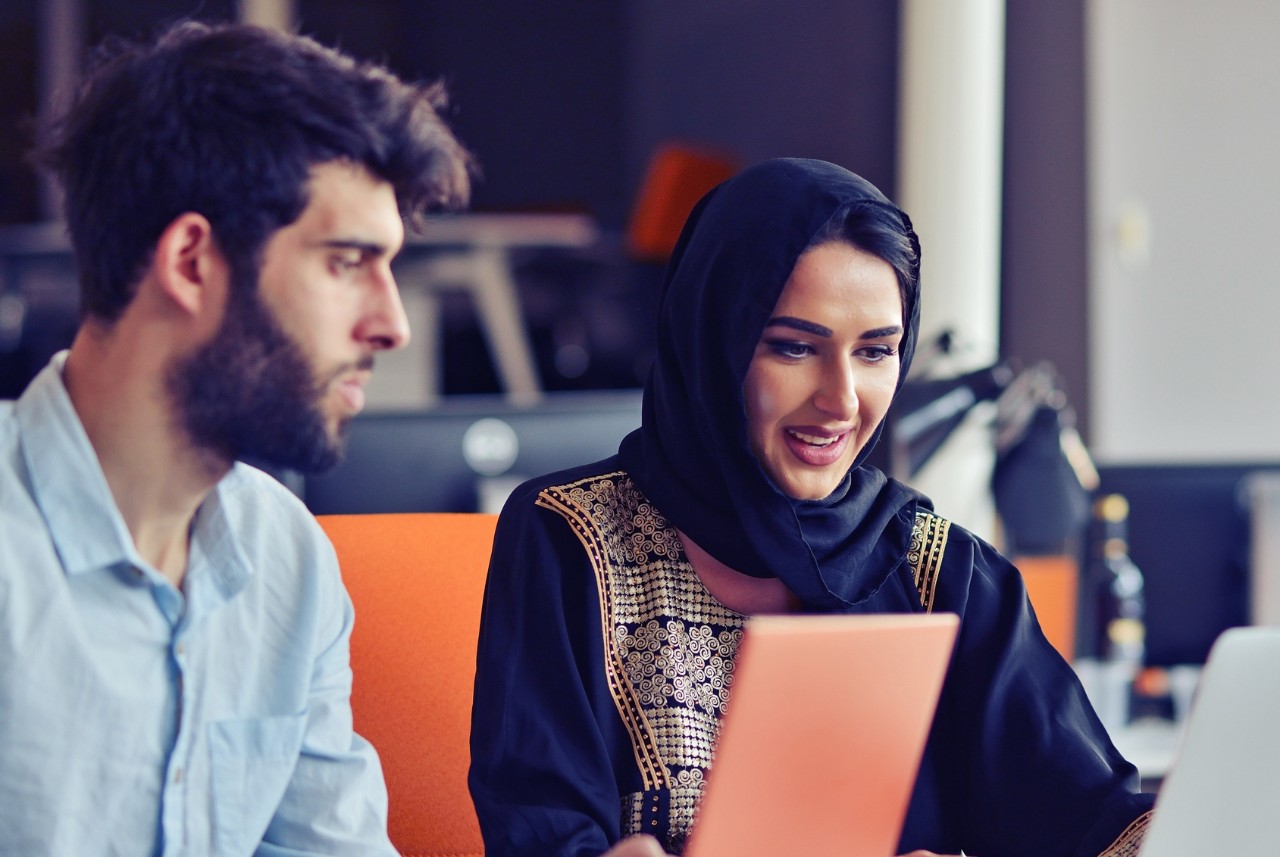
877,353
790,350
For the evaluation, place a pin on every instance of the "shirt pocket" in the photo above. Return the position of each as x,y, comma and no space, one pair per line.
252,761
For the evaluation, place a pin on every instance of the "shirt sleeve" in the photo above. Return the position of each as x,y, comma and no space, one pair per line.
1019,759
542,778
336,801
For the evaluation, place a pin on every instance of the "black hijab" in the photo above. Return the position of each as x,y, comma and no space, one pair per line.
692,457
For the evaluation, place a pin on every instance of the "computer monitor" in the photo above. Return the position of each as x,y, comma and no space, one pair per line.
466,454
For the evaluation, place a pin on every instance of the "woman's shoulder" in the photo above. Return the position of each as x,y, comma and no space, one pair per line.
936,527
598,505
526,493
946,554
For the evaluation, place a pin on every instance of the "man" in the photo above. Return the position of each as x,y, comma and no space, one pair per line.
174,670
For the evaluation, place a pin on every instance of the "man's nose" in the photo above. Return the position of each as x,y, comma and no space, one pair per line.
385,326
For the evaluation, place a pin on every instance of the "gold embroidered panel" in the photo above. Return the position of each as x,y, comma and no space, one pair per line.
928,542
1129,843
669,647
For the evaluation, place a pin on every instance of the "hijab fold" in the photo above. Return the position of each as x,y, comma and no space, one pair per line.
692,456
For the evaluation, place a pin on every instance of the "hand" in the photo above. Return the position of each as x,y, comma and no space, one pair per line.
640,845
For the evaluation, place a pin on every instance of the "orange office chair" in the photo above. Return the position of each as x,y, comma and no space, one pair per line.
417,581
677,176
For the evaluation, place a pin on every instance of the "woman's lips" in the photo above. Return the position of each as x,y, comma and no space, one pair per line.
816,448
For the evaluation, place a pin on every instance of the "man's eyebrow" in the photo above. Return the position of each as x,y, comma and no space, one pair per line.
368,248
800,324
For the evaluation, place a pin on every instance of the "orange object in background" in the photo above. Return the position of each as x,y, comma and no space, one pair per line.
678,176
417,581
1053,586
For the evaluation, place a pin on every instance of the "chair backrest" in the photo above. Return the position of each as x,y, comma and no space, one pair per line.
417,581
676,178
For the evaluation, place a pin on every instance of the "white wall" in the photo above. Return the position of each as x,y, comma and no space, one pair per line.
1184,210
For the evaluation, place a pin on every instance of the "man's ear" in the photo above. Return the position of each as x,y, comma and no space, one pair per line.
189,266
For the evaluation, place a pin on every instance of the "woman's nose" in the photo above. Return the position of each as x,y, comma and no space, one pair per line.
838,393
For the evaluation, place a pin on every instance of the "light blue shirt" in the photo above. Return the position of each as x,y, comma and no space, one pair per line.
136,718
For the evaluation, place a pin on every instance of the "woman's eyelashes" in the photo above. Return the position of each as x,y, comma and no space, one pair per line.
791,349
876,353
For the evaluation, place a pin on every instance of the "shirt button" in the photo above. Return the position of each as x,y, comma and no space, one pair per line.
177,775
180,649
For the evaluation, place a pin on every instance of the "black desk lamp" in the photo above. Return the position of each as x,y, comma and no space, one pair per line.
926,412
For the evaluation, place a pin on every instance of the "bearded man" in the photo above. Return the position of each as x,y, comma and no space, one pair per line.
174,672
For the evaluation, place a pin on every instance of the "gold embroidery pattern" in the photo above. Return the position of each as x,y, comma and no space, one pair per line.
928,542
645,812
669,646
1128,843
574,503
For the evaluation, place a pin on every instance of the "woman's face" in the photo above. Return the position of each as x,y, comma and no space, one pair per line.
825,369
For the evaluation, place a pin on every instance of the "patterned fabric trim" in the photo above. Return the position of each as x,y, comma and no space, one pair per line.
654,812
669,647
928,542
573,503
1128,843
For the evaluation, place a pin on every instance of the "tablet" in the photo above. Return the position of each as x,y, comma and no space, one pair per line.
823,735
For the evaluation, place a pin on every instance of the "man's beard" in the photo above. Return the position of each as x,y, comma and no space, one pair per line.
250,393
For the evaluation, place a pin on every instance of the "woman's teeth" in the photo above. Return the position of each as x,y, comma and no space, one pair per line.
812,439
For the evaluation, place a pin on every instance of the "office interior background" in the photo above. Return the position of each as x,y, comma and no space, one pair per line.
1136,195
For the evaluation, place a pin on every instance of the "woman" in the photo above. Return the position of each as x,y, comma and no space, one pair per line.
618,590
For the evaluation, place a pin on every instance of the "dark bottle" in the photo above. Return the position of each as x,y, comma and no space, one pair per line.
1119,604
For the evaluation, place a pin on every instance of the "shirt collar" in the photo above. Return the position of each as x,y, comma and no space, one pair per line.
71,490
66,478
215,543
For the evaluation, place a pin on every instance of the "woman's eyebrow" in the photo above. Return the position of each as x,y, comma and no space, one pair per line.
892,330
801,325
819,330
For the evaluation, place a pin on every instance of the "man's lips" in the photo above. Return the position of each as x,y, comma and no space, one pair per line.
351,389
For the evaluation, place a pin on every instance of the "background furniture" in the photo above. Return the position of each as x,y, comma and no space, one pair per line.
417,581
467,453
677,176
471,253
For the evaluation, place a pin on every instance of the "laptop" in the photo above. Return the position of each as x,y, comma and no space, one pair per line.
823,735
1223,791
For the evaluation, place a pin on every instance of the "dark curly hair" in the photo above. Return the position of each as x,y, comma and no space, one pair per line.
227,120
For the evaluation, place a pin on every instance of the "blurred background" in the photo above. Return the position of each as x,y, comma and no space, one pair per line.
1094,185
